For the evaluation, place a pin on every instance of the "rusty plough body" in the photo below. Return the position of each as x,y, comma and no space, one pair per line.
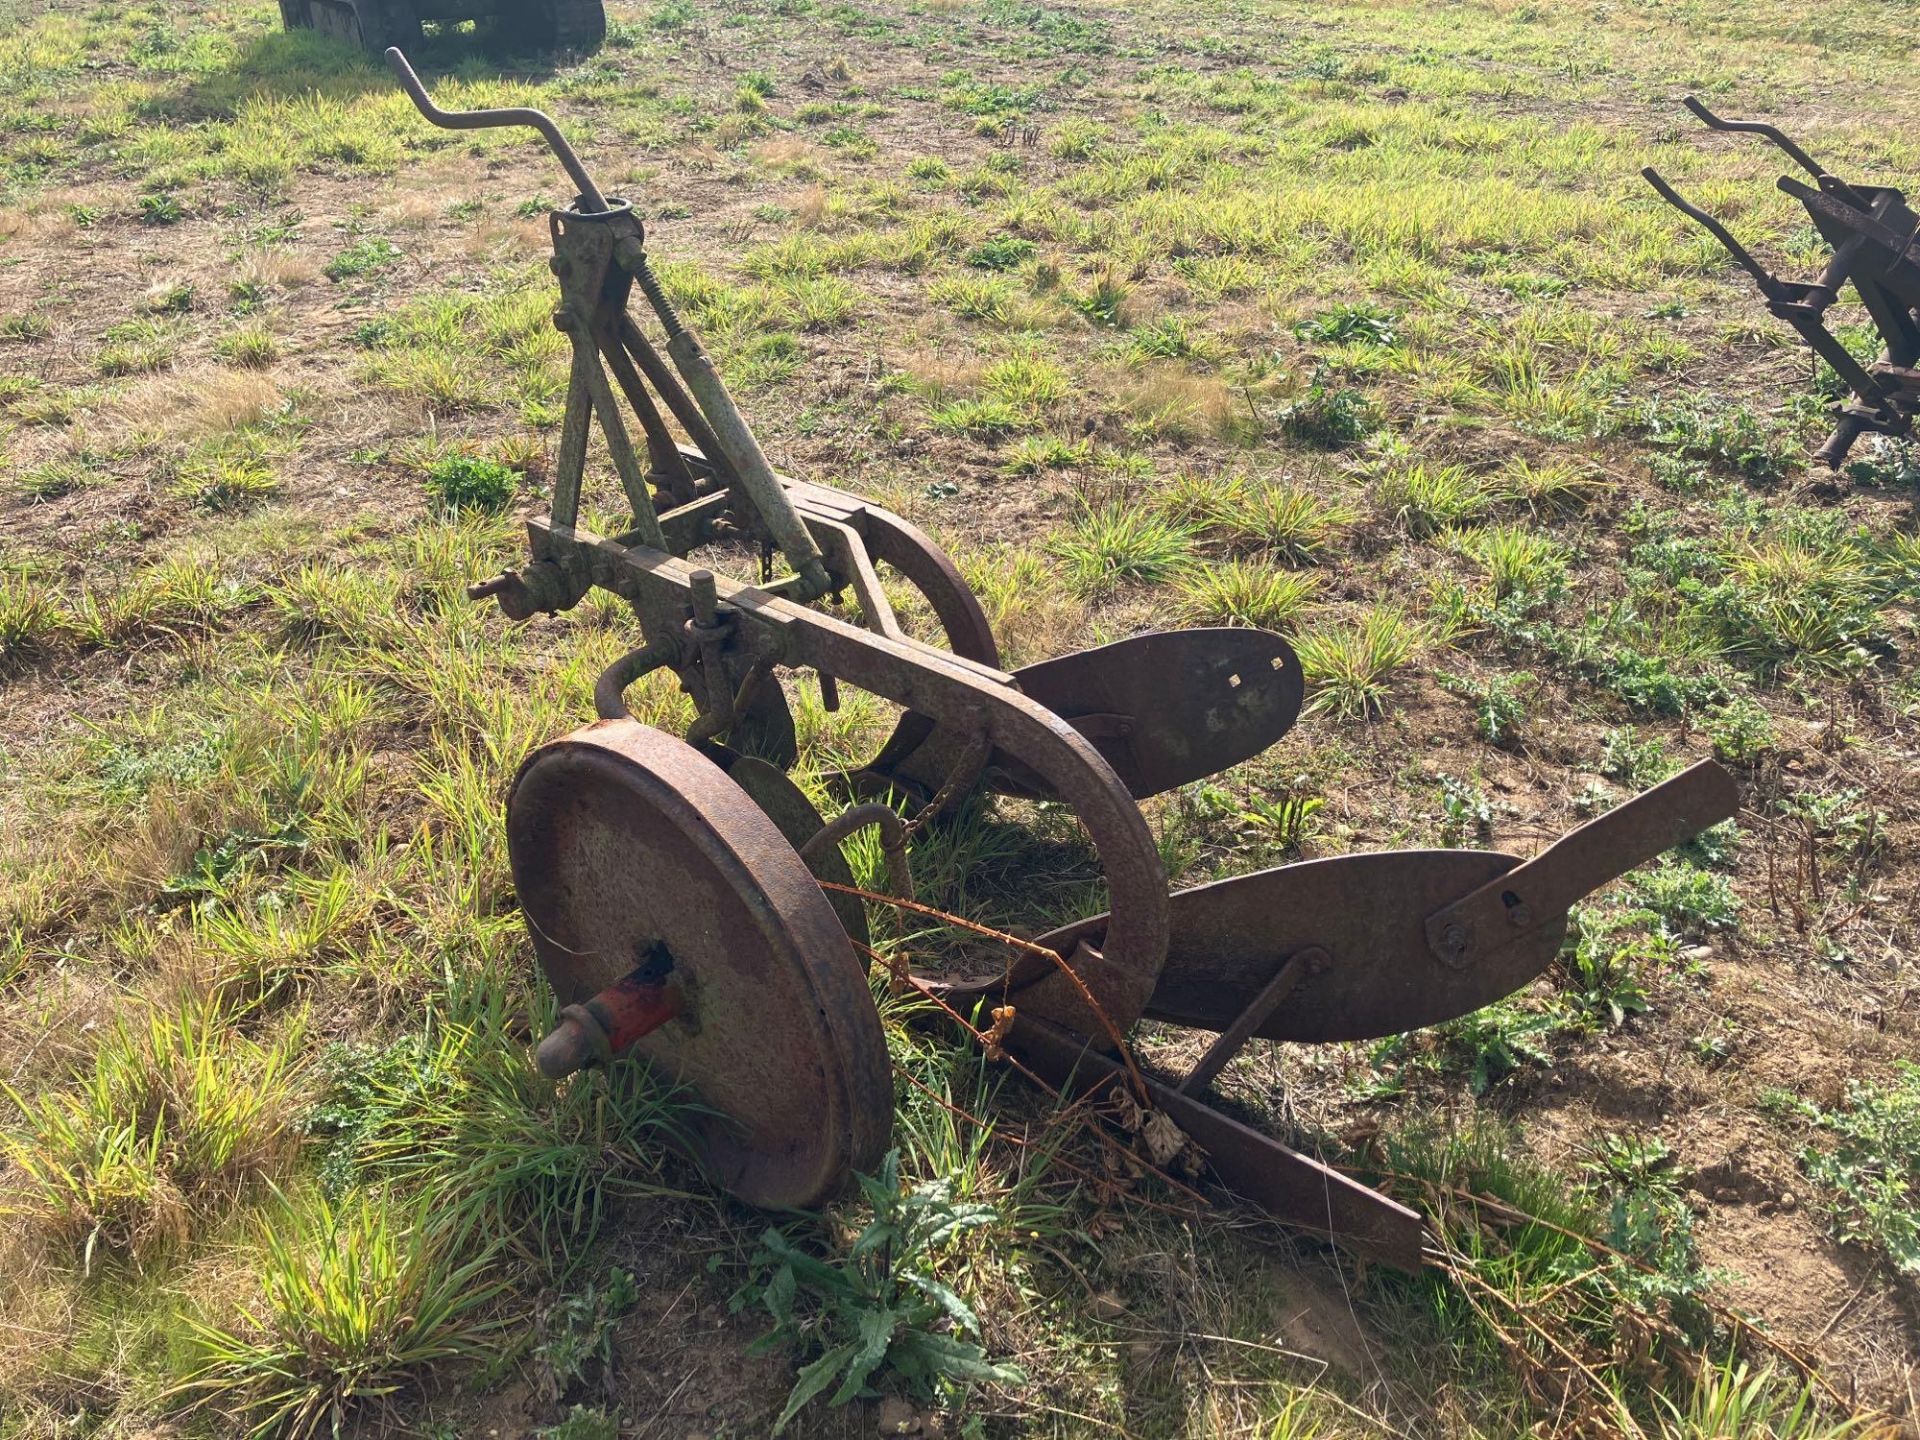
1873,234
672,887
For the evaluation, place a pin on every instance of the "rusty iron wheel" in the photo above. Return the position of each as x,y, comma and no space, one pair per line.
630,848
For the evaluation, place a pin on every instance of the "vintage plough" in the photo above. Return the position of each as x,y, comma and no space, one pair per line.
1872,232
672,886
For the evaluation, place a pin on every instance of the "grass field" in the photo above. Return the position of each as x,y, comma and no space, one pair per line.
1351,320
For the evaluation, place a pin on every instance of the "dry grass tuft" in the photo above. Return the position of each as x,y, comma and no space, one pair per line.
191,404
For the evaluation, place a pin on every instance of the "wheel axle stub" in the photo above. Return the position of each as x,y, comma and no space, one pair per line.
676,923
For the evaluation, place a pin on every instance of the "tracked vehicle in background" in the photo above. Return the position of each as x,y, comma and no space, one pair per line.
515,24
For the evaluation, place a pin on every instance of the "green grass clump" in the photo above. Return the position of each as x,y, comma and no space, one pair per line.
1348,664
990,299
1243,592
357,1298
178,1109
1109,544
986,417
31,616
457,483
252,347
363,257
1034,454
1290,523
1425,499
134,347
1521,564
457,1111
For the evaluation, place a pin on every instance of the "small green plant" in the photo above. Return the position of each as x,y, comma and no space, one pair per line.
1741,731
1633,761
1604,974
583,1423
1729,435
1500,703
990,299
1464,810
1079,140
1105,301
1484,1047
1170,337
1841,819
885,1309
1732,1401
1872,1165
1685,900
1283,825
161,207
1351,324
1330,416
1000,252
1615,1161
471,482
133,347
576,1335
363,257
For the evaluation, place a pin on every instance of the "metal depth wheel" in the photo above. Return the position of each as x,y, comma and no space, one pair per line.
633,853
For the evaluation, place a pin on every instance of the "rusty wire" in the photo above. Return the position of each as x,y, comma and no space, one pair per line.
1137,1080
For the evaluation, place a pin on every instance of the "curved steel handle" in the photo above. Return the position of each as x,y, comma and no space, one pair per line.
1769,285
589,192
1755,127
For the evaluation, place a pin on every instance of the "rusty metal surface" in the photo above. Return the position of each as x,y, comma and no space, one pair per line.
787,805
1293,1188
1368,912
605,1027
1411,937
490,119
965,698
628,845
1580,862
1167,708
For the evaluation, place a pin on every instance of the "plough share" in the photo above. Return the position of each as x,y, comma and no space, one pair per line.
1873,233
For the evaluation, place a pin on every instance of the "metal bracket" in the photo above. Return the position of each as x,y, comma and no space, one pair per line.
1538,891
1297,966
